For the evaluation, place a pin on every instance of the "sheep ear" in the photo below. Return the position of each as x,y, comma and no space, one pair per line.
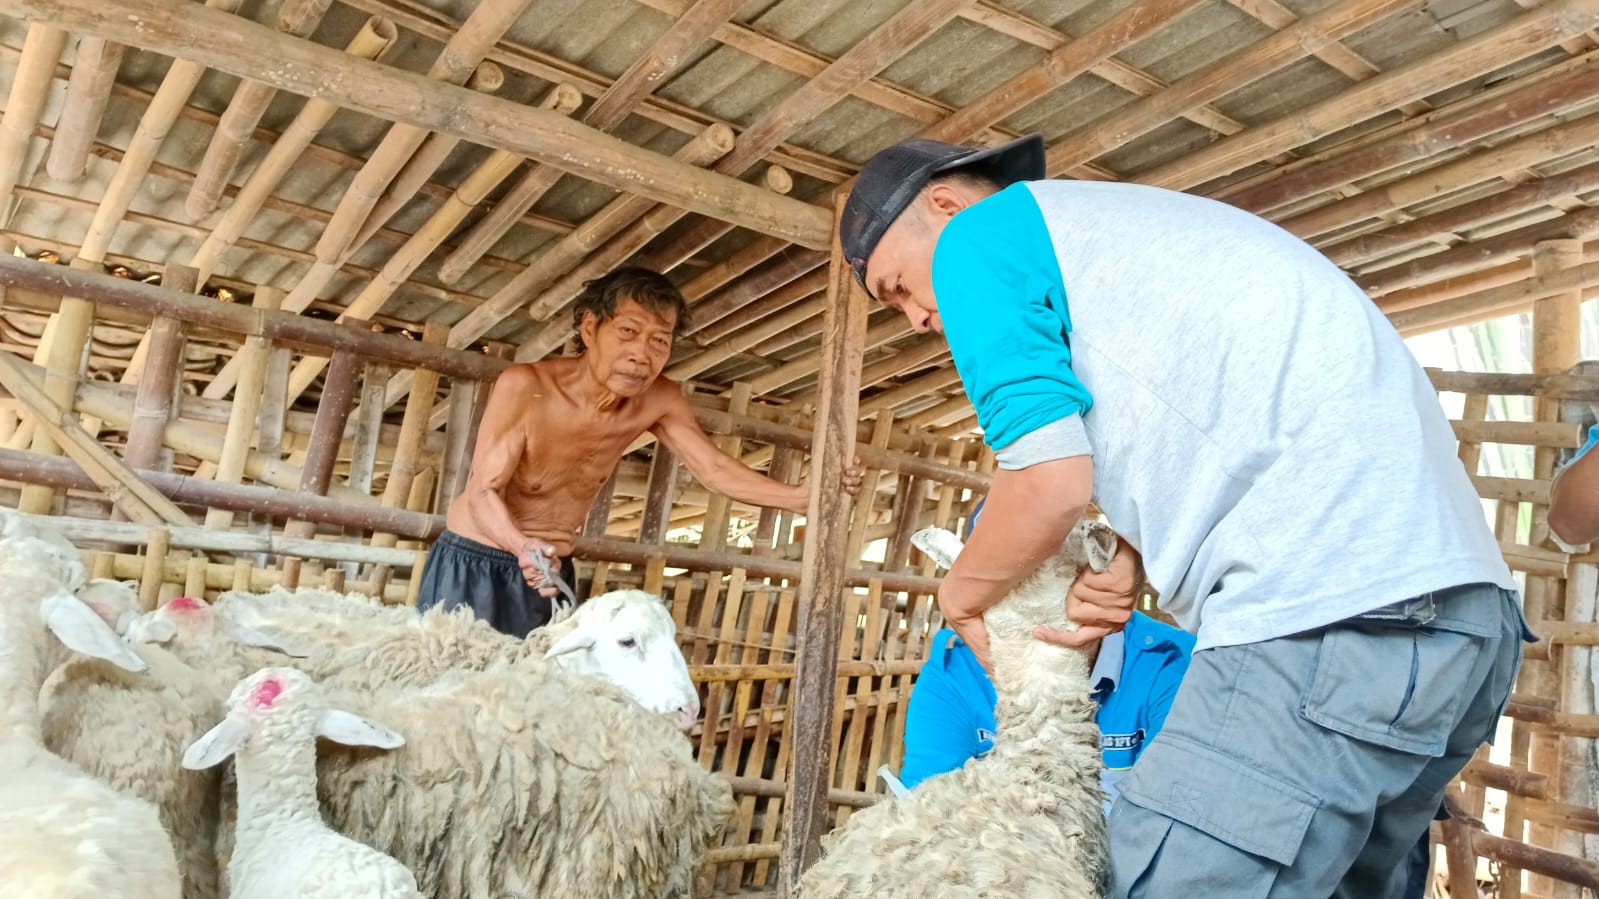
353,730
246,635
940,545
572,642
113,601
151,629
81,630
1092,543
216,744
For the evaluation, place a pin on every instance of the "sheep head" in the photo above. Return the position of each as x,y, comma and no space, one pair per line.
628,638
187,620
1040,599
40,576
281,704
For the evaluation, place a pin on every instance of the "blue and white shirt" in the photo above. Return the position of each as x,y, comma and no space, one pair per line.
1135,678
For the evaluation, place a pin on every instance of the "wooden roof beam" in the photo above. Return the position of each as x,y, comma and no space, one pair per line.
651,70
1396,238
1523,36
754,312
249,50
1220,78
1353,66
1472,118
1496,301
1511,156
30,87
249,103
94,71
1473,255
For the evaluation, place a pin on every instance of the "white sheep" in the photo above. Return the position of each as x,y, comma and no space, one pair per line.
1024,821
514,785
63,833
282,847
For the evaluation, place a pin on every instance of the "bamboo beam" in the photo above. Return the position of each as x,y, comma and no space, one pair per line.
465,411
161,378
1496,301
1477,254
806,811
249,103
1452,288
1523,36
1510,156
1357,68
659,497
653,68
714,354
487,78
176,87
30,88
281,327
570,251
1514,853
1456,125
1449,223
52,471
731,299
256,353
130,494
1062,65
923,386
62,358
488,22
210,540
94,70
1562,385
332,411
1282,48
249,50
805,366
413,428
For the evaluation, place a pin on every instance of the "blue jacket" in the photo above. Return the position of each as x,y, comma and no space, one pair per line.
951,714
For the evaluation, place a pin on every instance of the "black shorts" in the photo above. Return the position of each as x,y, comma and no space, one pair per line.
487,580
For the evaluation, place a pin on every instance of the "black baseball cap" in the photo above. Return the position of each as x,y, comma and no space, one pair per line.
891,179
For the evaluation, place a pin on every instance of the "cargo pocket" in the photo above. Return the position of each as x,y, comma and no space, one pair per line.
1400,687
1191,815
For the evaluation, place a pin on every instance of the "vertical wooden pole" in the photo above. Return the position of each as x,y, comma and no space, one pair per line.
659,496
1556,346
364,441
159,382
807,816
63,362
600,512
413,432
246,404
713,534
270,428
327,431
155,558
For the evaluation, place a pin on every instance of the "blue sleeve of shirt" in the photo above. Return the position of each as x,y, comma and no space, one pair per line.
1593,439
1003,306
940,726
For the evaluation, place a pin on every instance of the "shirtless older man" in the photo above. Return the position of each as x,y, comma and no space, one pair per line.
553,431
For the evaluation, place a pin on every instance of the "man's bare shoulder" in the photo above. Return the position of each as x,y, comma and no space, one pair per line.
664,395
526,375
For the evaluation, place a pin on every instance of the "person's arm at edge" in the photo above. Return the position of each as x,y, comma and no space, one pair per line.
501,439
1574,501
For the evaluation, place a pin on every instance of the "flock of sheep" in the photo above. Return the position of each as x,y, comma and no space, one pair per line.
176,752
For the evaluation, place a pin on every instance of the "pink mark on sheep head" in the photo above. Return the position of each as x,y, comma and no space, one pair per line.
266,693
185,604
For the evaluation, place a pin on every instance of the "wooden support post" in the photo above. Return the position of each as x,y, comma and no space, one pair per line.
460,437
155,558
62,359
413,430
658,499
246,404
161,379
713,534
270,428
807,814
331,414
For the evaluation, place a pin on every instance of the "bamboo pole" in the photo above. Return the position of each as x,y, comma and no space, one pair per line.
170,98
256,352
1450,222
1456,125
372,41
249,103
272,426
1511,156
653,68
94,70
271,502
1496,301
160,380
487,79
569,251
1247,66
413,429
806,811
1473,255
30,88
487,23
1528,33
714,354
62,358
731,299
333,410
130,494
659,497
282,327
209,540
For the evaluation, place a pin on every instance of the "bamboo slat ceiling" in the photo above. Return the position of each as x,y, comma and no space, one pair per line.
1425,146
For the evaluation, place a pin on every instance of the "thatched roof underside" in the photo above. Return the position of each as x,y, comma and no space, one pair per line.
1425,146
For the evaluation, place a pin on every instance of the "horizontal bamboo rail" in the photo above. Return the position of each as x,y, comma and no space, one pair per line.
1559,385
210,540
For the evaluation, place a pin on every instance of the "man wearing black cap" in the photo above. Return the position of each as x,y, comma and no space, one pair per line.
1254,427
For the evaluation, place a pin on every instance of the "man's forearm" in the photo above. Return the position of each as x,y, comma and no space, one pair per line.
494,519
750,486
1574,501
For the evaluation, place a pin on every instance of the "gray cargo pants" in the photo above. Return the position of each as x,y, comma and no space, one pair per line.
1307,766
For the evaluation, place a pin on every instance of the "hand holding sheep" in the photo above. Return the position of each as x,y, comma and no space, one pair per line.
1100,602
